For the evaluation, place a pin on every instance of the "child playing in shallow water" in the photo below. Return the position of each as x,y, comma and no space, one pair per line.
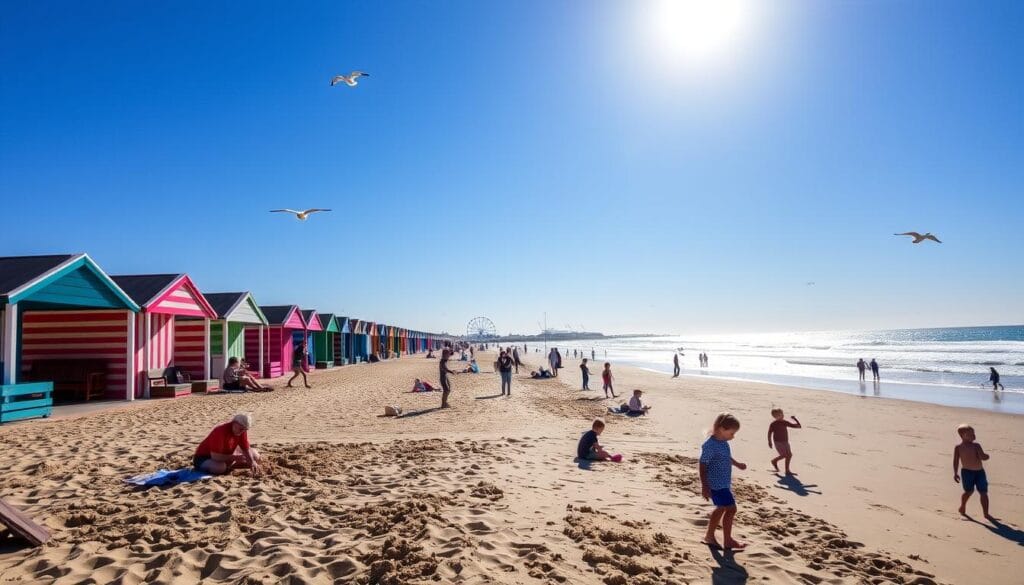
778,432
972,477
716,464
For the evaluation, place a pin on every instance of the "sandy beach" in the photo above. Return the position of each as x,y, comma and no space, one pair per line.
487,492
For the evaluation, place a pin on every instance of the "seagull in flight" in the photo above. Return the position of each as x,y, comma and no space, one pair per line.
350,80
302,215
918,238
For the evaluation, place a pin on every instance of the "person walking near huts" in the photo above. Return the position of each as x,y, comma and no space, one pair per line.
443,372
298,363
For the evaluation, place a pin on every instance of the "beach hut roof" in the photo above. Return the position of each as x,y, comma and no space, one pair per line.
286,315
174,294
233,307
60,279
312,320
330,322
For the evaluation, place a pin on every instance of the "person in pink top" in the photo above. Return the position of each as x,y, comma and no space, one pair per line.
227,448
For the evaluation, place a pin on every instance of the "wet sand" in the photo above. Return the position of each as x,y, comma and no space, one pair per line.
487,492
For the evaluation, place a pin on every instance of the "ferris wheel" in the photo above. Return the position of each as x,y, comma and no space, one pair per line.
480,328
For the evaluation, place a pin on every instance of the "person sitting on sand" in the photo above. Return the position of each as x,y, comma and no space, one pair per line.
972,477
227,448
589,449
636,405
541,375
778,431
430,354
235,377
420,386
472,368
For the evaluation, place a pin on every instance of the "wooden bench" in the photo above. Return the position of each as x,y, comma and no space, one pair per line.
168,383
78,379
21,401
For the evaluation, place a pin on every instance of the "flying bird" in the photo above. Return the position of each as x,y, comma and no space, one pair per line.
918,238
350,80
302,215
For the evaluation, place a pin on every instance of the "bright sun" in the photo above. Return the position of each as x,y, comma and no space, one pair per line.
699,32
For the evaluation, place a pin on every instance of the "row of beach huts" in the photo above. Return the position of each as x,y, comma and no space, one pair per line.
70,329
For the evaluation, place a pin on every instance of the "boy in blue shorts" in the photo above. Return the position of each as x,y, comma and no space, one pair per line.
972,477
716,480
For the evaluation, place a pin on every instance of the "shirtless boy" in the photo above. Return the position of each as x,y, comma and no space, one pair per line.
778,431
969,455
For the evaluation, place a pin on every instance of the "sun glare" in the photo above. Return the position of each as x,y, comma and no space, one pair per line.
699,33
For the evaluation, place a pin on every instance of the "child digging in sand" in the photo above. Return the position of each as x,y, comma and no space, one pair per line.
972,477
589,449
778,431
716,480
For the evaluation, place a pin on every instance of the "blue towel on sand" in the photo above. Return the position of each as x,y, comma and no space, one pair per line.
167,477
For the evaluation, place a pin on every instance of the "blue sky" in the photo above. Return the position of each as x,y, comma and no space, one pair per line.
507,159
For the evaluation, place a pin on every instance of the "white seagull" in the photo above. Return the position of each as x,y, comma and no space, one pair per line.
350,80
918,238
302,215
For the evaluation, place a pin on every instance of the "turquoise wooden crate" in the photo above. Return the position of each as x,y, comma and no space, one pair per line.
20,401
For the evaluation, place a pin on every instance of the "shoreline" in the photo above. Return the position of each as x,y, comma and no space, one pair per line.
1009,401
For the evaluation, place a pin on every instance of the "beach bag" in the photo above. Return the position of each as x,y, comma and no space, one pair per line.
392,411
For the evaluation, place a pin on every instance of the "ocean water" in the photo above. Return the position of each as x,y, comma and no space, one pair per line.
947,366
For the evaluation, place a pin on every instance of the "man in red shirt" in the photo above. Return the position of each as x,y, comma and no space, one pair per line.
227,447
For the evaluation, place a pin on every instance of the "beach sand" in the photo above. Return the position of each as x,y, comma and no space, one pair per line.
487,492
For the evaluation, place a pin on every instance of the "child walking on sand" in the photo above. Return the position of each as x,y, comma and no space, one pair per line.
972,477
606,376
716,480
778,431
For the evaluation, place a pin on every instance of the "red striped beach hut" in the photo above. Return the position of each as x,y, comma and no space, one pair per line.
283,321
174,328
62,316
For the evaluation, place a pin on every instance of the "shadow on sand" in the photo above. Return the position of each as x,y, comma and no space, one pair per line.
489,396
1007,531
791,483
728,571
420,412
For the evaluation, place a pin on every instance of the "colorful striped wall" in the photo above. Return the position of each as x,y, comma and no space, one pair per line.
277,349
78,334
189,346
179,301
161,347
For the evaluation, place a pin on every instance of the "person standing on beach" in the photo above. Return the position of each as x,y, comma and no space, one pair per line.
592,356
778,431
874,370
586,374
607,378
994,378
675,365
861,367
515,358
553,361
298,364
443,371
715,470
972,476
505,364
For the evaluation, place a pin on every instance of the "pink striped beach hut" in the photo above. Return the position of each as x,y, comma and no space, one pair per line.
283,321
174,329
